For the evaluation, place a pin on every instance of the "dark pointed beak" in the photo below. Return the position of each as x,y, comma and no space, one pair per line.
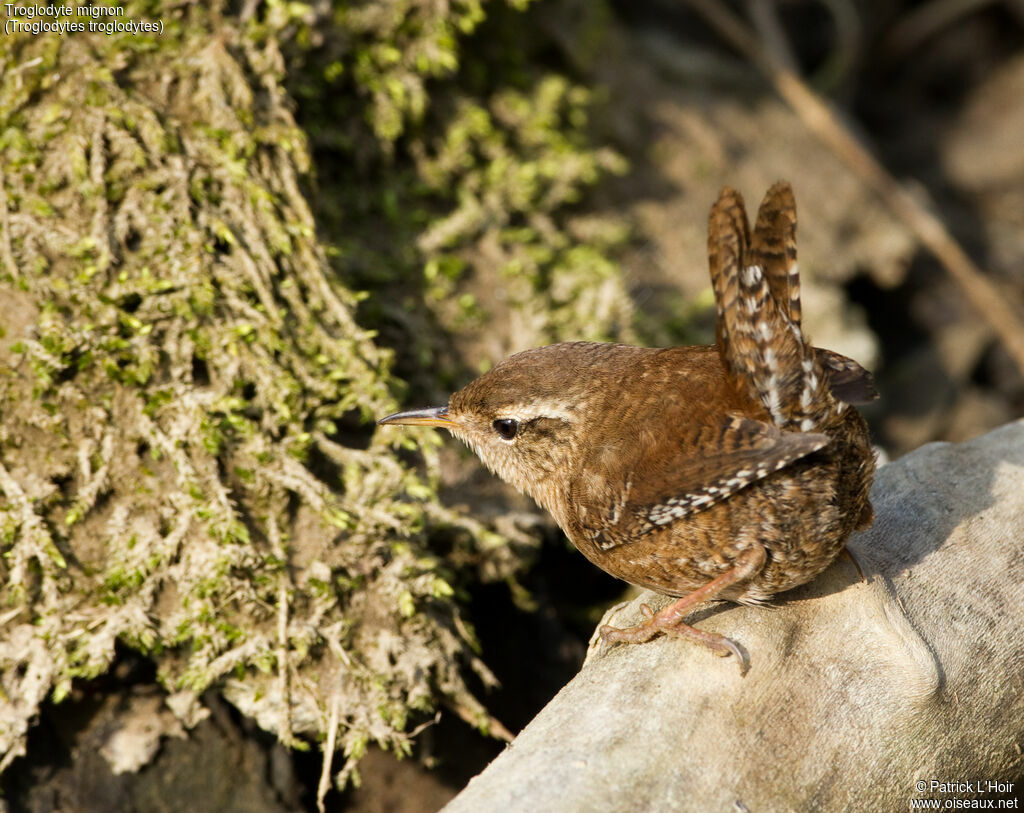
434,416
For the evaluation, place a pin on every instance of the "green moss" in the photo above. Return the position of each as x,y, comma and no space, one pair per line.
187,457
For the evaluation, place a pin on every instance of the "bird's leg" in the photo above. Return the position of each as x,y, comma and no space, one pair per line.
670,619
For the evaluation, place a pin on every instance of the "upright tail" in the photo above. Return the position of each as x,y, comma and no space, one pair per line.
757,294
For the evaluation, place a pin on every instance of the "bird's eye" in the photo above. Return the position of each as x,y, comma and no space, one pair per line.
506,427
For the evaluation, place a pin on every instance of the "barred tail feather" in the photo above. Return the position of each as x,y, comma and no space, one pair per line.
757,294
773,247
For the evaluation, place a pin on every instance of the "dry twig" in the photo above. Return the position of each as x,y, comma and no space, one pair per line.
981,292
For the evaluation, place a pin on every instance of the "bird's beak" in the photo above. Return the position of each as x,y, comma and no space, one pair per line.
434,416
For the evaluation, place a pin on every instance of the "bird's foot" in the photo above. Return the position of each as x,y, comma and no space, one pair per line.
668,622
670,619
849,555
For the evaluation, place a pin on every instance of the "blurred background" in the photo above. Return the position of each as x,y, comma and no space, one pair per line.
229,246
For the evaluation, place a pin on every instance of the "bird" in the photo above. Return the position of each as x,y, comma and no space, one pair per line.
733,471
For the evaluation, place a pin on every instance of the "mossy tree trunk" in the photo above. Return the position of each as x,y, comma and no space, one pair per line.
187,463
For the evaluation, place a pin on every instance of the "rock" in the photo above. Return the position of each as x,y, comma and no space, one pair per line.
861,693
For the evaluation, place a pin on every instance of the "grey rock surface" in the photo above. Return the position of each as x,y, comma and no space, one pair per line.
859,690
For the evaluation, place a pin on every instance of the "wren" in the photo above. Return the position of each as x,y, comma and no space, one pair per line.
734,471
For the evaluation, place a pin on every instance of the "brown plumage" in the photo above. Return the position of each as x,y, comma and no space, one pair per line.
735,471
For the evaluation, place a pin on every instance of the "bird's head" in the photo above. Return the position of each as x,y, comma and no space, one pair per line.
526,417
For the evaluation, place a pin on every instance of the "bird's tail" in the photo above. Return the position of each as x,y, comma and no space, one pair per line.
757,294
